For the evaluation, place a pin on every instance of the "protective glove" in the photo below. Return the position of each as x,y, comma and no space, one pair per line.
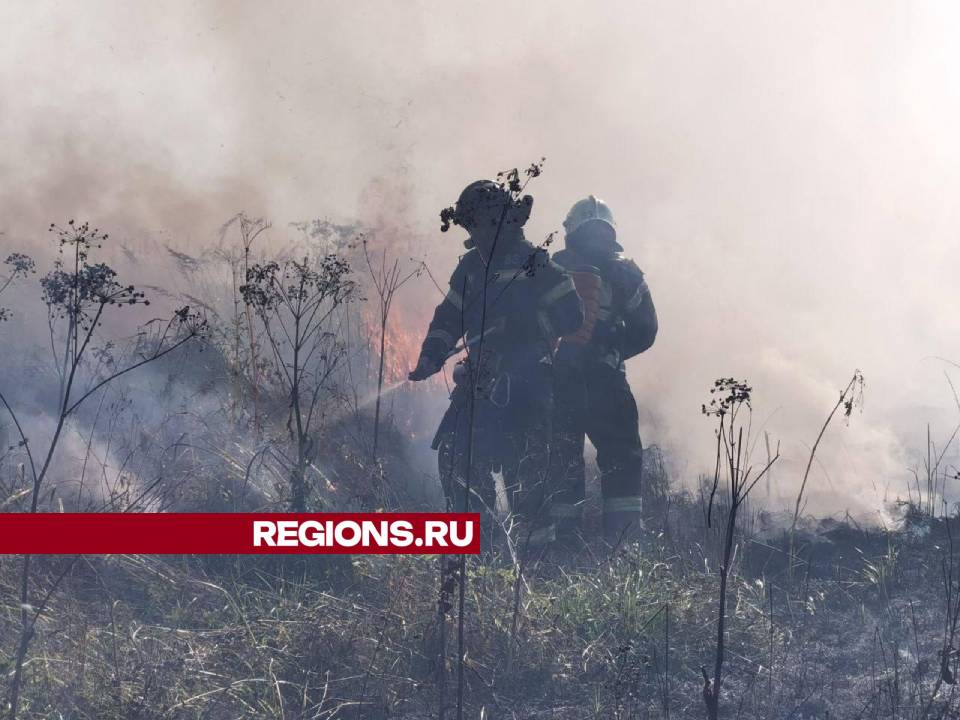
426,366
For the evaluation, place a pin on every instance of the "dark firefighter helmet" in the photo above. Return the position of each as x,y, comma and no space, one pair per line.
591,211
486,206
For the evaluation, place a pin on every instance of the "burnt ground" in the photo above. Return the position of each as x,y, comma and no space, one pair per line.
856,628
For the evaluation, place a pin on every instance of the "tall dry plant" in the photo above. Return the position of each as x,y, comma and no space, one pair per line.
79,295
250,230
850,397
297,305
510,181
19,266
388,275
729,404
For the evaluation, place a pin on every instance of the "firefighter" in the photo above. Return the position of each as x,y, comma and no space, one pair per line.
506,306
592,396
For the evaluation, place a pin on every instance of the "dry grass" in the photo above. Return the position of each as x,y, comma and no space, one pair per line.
189,637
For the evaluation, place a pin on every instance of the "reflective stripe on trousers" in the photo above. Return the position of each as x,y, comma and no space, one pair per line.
628,503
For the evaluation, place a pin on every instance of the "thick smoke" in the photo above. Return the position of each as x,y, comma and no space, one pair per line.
785,174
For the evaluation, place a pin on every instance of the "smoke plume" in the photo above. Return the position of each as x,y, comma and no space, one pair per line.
784,173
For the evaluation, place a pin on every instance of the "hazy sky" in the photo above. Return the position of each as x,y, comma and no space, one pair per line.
785,173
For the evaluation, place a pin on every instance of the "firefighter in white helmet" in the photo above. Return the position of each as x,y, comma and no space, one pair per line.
592,397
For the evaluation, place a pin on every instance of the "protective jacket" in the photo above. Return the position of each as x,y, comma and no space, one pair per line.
592,396
523,303
621,321
519,304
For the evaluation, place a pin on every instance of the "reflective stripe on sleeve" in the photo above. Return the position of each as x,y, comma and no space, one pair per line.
442,335
455,299
510,274
637,299
545,325
558,291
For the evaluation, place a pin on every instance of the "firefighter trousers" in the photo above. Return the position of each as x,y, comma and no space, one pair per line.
594,400
482,436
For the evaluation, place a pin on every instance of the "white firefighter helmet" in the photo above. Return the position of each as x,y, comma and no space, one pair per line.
591,210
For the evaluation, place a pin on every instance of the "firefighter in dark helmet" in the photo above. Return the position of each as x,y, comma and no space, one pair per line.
592,397
506,306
